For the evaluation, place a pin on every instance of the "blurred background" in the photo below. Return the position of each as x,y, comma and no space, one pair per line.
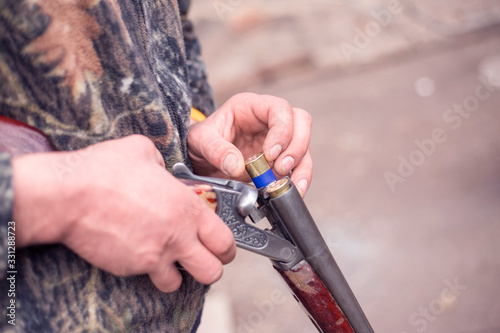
405,99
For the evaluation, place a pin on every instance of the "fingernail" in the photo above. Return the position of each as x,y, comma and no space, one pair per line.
275,151
230,164
288,163
302,185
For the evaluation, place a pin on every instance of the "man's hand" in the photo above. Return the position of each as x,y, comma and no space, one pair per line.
247,124
121,211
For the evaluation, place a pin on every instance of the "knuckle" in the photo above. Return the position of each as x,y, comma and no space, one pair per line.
287,132
213,274
143,142
167,279
137,138
246,95
304,115
169,284
277,100
197,207
217,151
227,246
147,262
283,104
219,240
213,150
227,242
119,270
298,151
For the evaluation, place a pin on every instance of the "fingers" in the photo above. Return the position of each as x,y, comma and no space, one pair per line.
246,124
288,146
202,258
207,143
201,264
216,246
296,151
204,244
280,120
166,277
212,232
203,250
287,140
302,174
219,239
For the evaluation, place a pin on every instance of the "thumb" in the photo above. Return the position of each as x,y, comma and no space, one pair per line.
210,145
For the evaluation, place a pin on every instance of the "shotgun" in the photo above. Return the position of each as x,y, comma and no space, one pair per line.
294,243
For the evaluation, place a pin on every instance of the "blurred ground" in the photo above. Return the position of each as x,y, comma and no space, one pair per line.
406,186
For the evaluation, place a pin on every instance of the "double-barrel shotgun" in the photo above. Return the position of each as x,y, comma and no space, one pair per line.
294,243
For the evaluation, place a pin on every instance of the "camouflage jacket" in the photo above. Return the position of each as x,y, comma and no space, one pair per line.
84,71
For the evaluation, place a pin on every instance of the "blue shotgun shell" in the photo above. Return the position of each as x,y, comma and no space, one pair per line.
259,170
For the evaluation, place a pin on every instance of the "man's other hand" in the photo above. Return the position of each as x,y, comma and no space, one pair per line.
120,210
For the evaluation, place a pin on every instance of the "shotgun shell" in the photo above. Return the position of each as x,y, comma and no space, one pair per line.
277,188
259,170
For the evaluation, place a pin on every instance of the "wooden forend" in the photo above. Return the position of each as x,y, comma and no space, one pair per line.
316,300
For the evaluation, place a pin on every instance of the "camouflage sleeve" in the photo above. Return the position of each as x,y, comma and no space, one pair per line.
201,92
6,202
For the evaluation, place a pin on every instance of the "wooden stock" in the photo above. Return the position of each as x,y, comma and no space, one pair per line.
316,300
204,191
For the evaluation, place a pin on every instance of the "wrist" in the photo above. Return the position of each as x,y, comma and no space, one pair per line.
43,203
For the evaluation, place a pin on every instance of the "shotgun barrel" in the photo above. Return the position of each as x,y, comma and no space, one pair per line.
296,224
